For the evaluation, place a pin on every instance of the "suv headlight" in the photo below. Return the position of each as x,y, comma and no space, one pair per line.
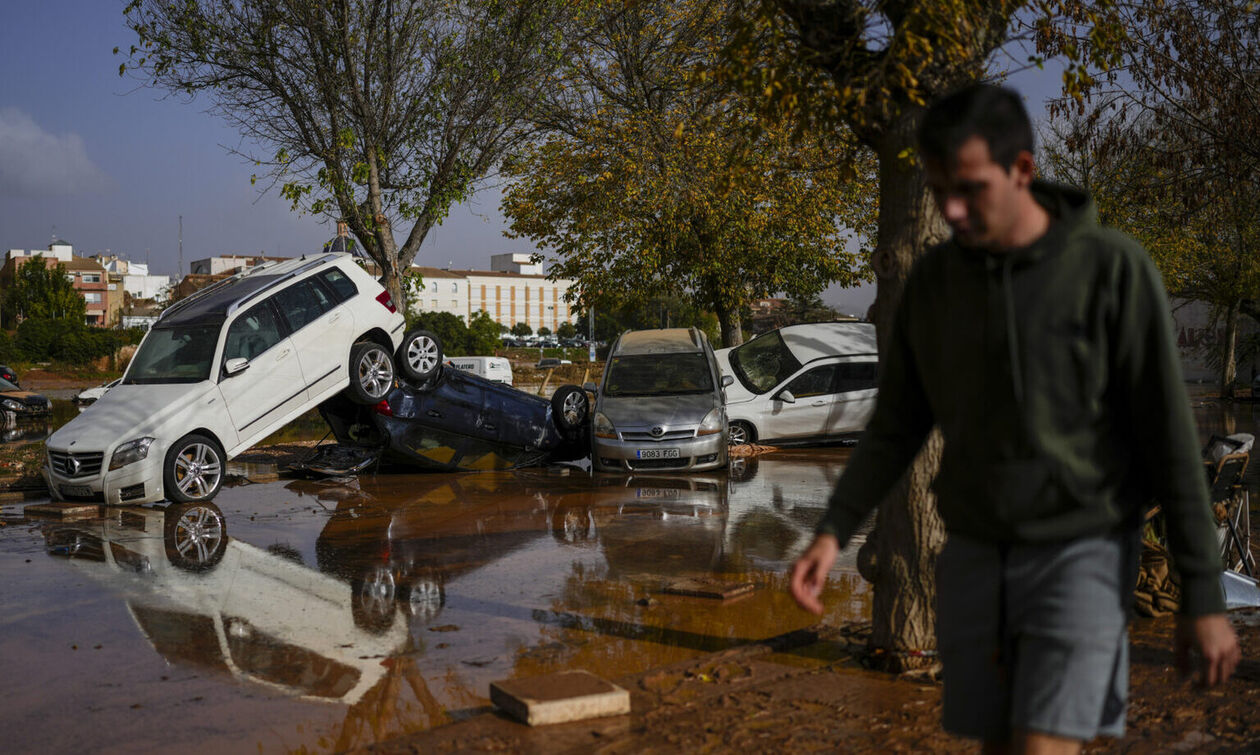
714,422
13,406
603,428
130,452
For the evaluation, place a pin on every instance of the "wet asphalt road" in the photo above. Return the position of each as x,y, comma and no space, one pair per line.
333,614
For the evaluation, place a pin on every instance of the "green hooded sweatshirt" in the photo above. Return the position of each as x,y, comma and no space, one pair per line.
1052,374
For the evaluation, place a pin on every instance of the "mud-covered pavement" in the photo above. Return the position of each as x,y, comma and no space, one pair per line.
337,614
374,612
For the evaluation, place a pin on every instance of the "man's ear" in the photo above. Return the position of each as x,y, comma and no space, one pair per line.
1024,169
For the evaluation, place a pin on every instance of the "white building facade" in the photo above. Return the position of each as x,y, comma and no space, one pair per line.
514,290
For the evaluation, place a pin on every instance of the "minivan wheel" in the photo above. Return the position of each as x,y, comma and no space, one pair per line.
419,355
570,406
193,470
371,372
740,432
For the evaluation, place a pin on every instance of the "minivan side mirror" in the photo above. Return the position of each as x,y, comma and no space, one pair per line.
727,380
235,366
786,397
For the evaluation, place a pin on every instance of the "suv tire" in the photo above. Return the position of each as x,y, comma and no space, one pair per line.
195,535
371,373
193,469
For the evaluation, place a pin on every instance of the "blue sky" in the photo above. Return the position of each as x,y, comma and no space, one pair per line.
108,166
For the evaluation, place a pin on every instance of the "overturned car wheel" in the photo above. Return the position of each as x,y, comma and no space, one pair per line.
419,355
371,372
570,406
193,470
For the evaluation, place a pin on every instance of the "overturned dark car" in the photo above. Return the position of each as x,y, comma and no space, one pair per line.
440,418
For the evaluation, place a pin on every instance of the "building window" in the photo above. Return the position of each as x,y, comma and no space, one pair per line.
433,287
433,303
91,278
92,297
454,288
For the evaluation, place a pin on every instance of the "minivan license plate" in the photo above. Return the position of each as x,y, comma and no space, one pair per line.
658,453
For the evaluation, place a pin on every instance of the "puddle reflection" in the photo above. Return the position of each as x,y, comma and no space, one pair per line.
424,588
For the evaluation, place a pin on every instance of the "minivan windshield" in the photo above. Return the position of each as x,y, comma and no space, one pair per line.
763,362
179,354
658,375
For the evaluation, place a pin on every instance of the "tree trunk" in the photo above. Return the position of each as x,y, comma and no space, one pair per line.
732,332
908,531
1229,349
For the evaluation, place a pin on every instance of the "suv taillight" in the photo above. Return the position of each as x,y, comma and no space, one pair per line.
387,301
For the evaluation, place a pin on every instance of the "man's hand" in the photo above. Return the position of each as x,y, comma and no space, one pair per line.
809,573
1216,642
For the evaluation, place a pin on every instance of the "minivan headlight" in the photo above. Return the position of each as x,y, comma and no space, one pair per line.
713,422
130,452
603,428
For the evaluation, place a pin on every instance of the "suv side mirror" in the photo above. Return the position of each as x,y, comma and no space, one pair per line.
590,387
786,397
727,380
235,366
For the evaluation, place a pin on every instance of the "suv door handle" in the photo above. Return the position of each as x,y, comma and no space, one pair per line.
819,403
334,317
282,354
433,413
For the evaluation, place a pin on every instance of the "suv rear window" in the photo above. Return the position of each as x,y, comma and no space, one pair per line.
763,362
340,283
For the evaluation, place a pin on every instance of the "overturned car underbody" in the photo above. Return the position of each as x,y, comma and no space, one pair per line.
454,420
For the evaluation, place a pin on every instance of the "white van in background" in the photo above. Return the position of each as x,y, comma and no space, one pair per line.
498,369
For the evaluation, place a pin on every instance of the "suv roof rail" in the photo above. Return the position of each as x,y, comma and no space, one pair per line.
320,260
194,296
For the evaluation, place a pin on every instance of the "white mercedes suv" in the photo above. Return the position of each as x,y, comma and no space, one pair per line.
223,369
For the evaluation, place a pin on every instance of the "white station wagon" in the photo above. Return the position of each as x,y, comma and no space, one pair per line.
220,371
802,384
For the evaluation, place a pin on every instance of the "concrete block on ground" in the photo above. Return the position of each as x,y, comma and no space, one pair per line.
702,587
63,510
559,698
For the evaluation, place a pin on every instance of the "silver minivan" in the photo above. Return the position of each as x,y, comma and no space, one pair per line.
660,405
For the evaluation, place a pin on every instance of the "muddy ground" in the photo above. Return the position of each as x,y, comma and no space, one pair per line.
804,691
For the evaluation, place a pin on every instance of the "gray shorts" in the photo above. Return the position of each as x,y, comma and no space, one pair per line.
1034,636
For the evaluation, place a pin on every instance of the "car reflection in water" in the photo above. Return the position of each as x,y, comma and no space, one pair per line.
660,525
398,551
205,600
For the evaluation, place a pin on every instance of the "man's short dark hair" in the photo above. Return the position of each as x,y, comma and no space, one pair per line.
995,114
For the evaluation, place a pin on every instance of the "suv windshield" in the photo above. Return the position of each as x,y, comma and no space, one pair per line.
658,375
763,362
180,354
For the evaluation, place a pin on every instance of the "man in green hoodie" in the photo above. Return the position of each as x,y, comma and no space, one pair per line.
1040,344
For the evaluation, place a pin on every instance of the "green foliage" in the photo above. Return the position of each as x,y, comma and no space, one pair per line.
652,180
521,329
566,330
69,341
39,291
483,335
544,331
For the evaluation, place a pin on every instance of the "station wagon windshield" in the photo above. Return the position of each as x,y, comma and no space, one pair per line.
180,354
658,375
763,362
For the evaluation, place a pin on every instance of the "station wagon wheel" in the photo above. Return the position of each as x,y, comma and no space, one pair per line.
419,355
739,433
371,372
372,599
571,406
193,470
195,535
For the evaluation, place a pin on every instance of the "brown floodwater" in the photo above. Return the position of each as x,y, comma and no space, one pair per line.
327,615
334,614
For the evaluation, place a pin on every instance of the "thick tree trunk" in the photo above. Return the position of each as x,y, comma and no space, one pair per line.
908,532
732,329
1229,352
